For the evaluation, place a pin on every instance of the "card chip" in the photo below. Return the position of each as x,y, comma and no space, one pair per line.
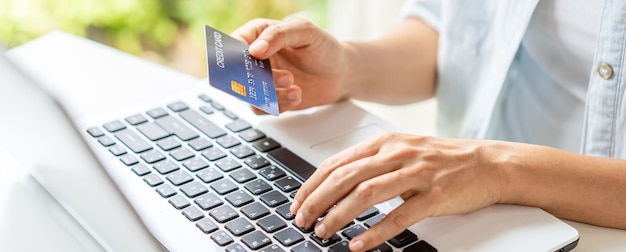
238,88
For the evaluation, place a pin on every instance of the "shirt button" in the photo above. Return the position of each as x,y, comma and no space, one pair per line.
605,70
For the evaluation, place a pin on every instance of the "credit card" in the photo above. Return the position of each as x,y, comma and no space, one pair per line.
234,71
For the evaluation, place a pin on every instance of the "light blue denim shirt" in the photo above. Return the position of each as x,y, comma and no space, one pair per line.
478,43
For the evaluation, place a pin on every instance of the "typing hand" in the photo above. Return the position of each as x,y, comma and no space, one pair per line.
307,62
433,176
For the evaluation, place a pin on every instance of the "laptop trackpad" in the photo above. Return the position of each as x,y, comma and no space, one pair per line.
334,145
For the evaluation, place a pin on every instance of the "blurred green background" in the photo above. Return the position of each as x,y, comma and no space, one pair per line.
169,32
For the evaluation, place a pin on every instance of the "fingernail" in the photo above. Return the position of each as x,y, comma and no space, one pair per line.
293,95
283,81
294,206
356,245
320,230
259,47
300,220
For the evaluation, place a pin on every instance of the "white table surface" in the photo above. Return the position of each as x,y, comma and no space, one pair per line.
27,225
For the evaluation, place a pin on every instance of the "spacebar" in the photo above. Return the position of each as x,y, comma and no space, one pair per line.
295,164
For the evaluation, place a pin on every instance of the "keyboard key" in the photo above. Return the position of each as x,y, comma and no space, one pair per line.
195,164
152,156
165,166
106,141
326,242
284,212
238,125
205,98
177,106
157,113
304,230
368,214
209,175
273,198
306,246
217,105
152,180
230,115
207,225
386,248
114,126
140,169
168,144
179,201
152,131
136,119
235,247
242,151
272,173
95,132
287,184
353,231
224,186
176,127
202,124
291,161
199,144
256,240
271,223
221,238
255,211
421,246
372,221
194,189
228,141
129,159
265,145
403,239
272,248
242,175
239,198
208,201
223,213
213,154
117,150
256,162
251,135
227,164
258,187
343,246
166,190
239,226
181,154
133,141
207,110
179,177
193,213
288,237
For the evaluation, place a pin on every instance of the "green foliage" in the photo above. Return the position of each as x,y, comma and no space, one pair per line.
142,27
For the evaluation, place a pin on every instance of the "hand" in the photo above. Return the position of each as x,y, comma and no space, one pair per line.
433,176
307,63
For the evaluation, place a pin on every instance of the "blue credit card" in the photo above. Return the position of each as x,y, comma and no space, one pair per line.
234,71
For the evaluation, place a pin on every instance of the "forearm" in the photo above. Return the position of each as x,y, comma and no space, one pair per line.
396,69
577,187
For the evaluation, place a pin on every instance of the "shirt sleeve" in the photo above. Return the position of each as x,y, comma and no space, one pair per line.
427,10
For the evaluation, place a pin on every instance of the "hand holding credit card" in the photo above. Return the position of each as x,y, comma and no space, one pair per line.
234,71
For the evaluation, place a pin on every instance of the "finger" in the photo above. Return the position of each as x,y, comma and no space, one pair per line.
282,78
293,33
288,98
359,151
251,30
408,213
365,195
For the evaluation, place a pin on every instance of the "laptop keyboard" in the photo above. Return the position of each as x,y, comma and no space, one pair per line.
231,181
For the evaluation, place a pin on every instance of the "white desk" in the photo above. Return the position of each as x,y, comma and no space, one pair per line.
26,222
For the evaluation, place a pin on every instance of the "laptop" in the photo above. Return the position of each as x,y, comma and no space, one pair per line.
150,159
